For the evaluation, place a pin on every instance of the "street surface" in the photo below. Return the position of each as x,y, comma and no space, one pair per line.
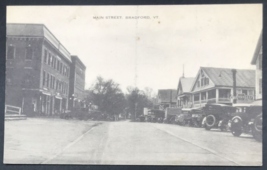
130,143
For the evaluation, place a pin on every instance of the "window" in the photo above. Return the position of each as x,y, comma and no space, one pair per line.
198,84
10,52
51,81
60,69
58,65
56,84
207,81
50,60
44,74
68,72
260,86
245,92
45,56
29,53
47,80
56,61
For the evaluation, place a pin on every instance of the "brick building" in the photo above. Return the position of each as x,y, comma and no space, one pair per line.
77,83
37,70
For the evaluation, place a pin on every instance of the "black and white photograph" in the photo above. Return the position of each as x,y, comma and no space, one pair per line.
177,85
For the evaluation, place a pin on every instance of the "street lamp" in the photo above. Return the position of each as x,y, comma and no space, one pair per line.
234,83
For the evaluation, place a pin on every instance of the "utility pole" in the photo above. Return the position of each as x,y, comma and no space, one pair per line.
234,85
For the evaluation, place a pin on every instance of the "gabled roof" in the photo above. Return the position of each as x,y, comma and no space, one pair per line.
186,83
167,95
223,76
257,50
36,30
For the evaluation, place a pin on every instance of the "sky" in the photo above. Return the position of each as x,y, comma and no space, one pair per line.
151,52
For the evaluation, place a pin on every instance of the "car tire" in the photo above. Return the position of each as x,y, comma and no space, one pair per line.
206,127
212,123
236,132
257,128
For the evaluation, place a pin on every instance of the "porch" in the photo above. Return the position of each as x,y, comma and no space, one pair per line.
212,96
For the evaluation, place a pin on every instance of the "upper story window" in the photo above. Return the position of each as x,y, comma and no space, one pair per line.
204,80
44,77
47,80
45,56
29,53
10,52
60,67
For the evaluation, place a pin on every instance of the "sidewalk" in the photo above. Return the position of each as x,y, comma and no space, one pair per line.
36,139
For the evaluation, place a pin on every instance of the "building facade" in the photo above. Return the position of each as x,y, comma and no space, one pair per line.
77,83
257,60
215,85
37,70
166,98
184,95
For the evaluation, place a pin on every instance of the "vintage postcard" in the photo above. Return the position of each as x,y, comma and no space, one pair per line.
134,85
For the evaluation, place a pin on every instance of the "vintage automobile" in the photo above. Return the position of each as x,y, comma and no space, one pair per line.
77,113
247,119
141,118
197,117
185,118
217,116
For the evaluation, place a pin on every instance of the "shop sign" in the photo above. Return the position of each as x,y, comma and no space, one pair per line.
243,97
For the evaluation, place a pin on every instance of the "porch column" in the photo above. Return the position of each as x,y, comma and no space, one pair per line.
200,98
207,96
193,98
217,95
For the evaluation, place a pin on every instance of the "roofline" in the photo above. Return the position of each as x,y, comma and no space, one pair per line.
80,61
194,82
257,50
181,84
60,44
230,68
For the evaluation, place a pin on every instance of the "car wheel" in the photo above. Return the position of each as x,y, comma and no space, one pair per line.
210,121
207,128
237,132
257,128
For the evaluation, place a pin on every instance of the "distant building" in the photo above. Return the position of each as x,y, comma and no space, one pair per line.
257,60
166,98
184,94
77,83
215,85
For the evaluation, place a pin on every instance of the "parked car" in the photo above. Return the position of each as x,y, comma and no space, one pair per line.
185,118
247,119
141,118
197,117
78,113
217,116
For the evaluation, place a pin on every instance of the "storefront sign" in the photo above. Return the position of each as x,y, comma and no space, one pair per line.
243,97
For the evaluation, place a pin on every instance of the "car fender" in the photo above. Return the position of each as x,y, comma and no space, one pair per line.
204,120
